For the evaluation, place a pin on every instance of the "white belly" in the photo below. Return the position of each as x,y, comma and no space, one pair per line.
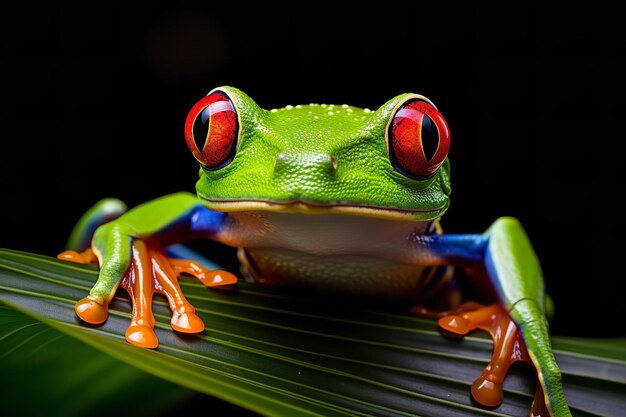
361,255
361,275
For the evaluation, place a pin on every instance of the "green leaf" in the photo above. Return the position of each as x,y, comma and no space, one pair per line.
279,352
41,366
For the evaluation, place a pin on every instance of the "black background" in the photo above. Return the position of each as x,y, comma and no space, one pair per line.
94,101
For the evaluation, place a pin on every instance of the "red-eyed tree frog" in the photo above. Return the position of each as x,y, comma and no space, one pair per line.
328,196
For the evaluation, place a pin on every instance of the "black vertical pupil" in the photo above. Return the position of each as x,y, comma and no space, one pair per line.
430,137
201,128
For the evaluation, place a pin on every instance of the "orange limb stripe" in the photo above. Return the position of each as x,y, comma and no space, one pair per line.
138,283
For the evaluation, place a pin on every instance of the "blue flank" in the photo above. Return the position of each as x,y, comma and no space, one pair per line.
200,222
458,249
493,275
205,221
455,248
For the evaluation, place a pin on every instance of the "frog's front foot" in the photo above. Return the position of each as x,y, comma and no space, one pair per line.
150,271
509,347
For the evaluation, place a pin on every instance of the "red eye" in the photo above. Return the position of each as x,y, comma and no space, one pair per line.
418,139
211,130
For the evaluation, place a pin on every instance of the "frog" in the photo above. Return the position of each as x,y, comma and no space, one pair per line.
334,197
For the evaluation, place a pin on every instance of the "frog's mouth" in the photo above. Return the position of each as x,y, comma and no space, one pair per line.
310,207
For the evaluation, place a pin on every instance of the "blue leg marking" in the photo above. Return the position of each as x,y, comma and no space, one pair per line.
515,273
452,249
201,222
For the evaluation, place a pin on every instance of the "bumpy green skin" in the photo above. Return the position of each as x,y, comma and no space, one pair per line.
511,257
284,156
112,241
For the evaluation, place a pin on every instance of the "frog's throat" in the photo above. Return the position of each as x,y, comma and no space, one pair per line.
301,207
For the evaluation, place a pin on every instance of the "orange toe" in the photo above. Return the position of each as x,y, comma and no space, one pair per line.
91,311
85,257
72,256
187,323
508,348
487,392
218,277
142,336
455,324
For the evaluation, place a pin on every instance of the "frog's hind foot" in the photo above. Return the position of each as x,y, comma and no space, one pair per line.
508,348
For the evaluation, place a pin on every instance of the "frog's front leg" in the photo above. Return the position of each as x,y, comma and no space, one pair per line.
130,253
150,271
514,271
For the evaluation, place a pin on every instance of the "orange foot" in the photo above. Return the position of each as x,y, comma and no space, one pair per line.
509,347
150,271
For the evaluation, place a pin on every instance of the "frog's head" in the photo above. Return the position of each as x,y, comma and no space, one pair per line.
390,163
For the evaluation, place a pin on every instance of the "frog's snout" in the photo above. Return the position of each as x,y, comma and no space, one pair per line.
303,167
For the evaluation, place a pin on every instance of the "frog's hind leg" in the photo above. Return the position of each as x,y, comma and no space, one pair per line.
463,317
79,243
102,212
514,274
508,347
514,270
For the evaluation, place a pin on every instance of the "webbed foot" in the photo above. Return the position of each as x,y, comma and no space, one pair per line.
150,271
508,348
